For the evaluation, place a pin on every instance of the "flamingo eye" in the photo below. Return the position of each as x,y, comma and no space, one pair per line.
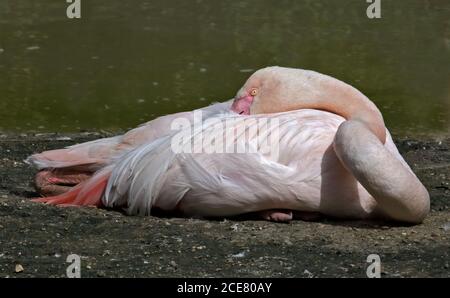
253,92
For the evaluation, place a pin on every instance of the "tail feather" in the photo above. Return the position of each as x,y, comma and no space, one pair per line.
92,155
62,158
88,193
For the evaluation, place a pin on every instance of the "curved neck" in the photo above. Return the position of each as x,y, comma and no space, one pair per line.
329,94
353,105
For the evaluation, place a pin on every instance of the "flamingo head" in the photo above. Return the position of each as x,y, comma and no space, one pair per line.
260,92
278,89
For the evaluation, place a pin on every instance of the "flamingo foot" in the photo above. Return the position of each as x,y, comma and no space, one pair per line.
277,215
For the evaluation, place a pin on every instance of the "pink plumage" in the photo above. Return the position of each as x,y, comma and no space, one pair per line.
334,156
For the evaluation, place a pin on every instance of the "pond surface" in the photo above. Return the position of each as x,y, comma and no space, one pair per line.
126,62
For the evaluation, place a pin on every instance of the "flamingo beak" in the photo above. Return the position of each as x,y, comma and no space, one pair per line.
241,105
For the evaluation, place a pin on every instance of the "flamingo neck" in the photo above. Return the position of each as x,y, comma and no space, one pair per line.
355,106
342,99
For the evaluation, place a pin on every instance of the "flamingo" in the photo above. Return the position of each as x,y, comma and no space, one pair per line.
335,158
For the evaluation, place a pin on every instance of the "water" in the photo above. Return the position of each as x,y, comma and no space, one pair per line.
126,62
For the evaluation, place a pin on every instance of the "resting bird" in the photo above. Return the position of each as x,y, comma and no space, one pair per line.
329,153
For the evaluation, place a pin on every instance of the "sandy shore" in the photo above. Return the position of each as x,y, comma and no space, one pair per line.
39,237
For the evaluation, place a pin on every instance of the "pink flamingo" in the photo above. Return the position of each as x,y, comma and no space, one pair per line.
335,158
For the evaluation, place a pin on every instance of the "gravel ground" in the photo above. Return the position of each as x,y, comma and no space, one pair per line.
35,239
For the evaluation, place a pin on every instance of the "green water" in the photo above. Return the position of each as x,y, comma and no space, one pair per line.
126,62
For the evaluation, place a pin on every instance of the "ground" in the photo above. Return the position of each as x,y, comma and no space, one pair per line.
39,238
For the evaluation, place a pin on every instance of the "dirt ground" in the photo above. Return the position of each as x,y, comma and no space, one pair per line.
39,237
